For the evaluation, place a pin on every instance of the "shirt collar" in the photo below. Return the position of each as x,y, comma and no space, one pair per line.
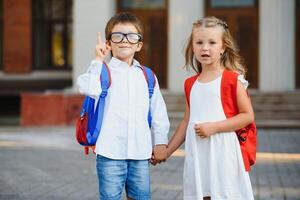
114,62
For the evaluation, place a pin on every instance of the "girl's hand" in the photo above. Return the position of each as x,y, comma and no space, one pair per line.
160,152
102,49
206,129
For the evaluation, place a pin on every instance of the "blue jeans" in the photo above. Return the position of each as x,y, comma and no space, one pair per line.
113,175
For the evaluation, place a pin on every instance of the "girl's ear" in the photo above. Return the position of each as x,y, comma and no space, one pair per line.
139,46
222,51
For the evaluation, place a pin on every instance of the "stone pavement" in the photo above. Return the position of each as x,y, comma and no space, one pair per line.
44,163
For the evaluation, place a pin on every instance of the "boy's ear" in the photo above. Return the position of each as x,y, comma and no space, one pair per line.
139,46
108,45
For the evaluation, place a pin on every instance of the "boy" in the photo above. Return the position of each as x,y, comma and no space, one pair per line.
124,146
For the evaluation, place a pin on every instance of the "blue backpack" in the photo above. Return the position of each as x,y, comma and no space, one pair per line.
88,126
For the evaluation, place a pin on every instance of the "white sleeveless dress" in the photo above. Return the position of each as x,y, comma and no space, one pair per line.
213,166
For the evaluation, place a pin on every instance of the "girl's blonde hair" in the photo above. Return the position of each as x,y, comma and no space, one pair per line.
230,59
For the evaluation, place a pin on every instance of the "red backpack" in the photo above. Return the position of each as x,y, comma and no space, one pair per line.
247,136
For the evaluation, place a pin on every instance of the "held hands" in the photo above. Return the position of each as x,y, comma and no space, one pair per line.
102,49
206,129
159,154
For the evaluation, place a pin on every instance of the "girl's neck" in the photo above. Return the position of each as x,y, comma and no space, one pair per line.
216,68
210,73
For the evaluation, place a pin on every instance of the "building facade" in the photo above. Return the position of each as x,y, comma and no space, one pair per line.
265,31
46,44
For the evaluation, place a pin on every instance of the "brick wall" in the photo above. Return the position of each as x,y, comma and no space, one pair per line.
50,108
17,57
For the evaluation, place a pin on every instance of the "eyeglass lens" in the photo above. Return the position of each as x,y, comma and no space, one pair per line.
118,37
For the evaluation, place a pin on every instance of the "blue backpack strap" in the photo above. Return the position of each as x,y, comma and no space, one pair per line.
151,81
97,119
91,113
86,105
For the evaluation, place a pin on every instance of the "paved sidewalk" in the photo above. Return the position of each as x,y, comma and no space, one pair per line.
46,163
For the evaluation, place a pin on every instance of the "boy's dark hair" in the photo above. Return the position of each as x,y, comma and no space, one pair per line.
123,18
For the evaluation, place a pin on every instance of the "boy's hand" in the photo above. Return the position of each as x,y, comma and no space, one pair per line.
101,49
205,130
153,161
160,152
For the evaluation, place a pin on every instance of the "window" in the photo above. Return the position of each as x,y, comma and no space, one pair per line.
232,3
145,4
52,34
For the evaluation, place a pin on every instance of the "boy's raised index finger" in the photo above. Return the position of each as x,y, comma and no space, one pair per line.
99,41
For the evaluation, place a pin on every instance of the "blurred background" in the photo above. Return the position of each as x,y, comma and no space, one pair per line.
46,44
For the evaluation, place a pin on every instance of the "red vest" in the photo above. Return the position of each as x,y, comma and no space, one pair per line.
247,135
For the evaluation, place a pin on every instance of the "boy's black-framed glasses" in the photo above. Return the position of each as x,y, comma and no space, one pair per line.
132,38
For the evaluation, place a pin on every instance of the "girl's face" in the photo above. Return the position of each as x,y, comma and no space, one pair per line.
208,45
124,49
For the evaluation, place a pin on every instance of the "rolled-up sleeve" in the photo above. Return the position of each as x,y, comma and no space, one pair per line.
160,121
89,82
244,82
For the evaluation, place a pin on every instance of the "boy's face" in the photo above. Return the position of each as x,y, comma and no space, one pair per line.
123,46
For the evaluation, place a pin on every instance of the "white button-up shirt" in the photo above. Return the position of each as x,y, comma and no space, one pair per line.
125,132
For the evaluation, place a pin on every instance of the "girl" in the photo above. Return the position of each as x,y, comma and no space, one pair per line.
213,167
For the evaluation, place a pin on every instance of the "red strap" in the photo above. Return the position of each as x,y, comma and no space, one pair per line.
86,149
228,93
188,84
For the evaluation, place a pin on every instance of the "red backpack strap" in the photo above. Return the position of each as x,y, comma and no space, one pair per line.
86,149
188,84
228,93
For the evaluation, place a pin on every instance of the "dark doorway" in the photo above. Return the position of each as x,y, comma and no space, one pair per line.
10,109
